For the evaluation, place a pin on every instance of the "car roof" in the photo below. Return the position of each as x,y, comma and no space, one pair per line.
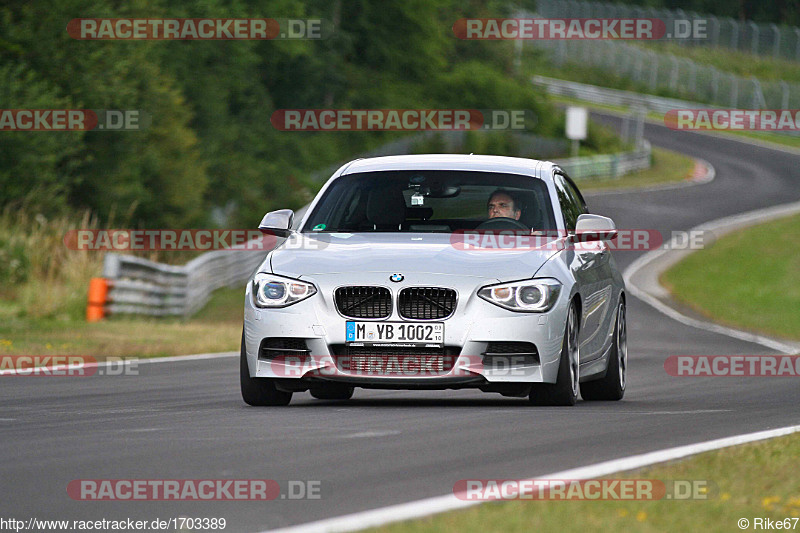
475,163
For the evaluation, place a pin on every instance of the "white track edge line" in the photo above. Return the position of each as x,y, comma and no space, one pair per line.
122,360
739,221
449,502
195,357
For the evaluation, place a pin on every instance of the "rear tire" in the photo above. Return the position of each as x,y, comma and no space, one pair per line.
564,392
259,391
333,393
612,386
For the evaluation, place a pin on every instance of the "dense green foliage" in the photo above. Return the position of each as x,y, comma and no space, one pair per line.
211,143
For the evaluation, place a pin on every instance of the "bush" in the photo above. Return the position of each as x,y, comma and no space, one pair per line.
14,263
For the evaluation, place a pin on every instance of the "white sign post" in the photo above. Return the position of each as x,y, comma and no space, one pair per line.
577,120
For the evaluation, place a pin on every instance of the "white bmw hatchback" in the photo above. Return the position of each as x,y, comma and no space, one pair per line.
438,272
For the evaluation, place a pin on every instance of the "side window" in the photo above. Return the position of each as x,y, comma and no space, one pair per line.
576,195
569,199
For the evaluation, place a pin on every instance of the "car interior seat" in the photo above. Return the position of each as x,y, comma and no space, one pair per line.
386,209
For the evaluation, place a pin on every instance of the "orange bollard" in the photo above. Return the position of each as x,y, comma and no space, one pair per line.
98,293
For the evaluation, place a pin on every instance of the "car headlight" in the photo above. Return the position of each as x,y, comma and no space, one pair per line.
270,290
533,295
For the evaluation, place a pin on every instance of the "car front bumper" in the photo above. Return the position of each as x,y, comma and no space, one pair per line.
468,332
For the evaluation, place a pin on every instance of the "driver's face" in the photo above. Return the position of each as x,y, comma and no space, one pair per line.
501,205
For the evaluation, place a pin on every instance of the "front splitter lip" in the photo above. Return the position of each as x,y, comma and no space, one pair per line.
440,382
326,368
464,369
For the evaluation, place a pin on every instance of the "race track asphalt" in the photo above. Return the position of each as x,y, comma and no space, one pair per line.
186,420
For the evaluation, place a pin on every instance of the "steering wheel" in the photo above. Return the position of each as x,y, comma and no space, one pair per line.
502,223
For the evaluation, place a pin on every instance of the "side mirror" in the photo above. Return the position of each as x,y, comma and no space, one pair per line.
277,222
594,228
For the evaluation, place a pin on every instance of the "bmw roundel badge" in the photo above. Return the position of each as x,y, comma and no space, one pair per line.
397,278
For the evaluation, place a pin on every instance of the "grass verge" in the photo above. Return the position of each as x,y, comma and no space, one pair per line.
749,481
217,328
668,167
749,279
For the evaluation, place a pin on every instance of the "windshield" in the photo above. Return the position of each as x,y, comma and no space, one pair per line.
439,201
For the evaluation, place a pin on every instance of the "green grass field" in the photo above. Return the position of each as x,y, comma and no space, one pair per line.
753,480
749,279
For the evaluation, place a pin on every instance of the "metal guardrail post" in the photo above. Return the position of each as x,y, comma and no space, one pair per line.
753,37
673,75
626,126
797,44
734,34
637,67
640,113
714,40
776,47
784,95
714,84
111,266
654,71
758,95
692,76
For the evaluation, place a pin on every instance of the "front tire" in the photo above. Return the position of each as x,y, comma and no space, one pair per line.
612,386
259,391
564,392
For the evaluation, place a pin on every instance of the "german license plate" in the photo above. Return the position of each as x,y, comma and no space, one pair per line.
395,332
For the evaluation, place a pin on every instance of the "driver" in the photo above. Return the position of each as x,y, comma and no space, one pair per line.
503,203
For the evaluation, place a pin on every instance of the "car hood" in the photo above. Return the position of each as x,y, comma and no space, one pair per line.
436,253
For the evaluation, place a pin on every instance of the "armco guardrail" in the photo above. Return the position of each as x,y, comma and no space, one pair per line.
603,95
608,166
140,286
134,285
613,165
